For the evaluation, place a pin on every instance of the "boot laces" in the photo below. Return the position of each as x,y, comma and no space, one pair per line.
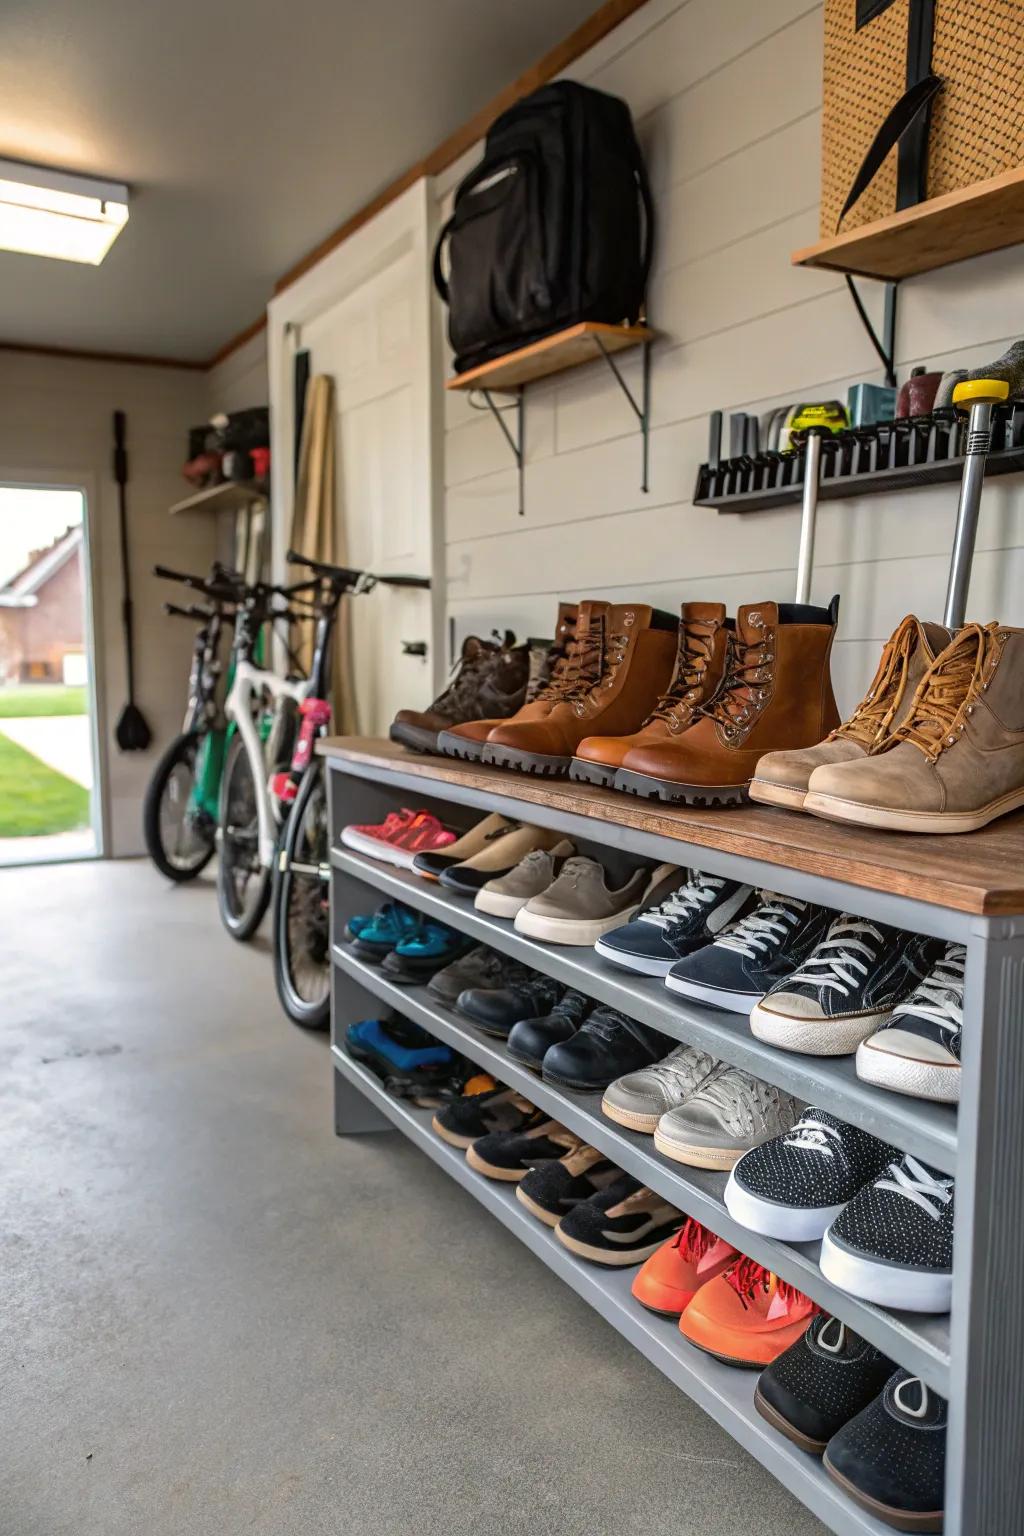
764,929
813,1135
939,998
613,655
932,1192
465,673
581,671
949,690
699,891
878,708
693,658
745,685
835,964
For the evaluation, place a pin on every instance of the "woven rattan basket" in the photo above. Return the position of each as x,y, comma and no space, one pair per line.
977,119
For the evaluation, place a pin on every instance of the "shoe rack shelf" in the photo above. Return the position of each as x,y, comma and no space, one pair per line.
967,888
723,1392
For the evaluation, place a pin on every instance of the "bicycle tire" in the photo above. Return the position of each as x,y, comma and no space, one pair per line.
238,831
181,753
301,924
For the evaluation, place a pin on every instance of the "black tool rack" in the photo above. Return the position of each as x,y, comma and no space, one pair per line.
862,461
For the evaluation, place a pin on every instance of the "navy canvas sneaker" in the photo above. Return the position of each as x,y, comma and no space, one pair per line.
752,954
687,919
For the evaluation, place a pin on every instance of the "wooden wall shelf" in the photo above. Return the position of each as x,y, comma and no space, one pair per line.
226,497
570,348
970,222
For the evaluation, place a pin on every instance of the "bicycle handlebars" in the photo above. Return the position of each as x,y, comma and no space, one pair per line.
358,580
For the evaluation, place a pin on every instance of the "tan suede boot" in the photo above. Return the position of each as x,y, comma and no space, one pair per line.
620,664
467,740
776,693
699,669
781,777
957,761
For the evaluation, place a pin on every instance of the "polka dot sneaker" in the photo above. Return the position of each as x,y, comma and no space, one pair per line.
820,1383
891,1458
893,1244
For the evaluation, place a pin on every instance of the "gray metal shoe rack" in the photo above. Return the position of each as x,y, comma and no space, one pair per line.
966,888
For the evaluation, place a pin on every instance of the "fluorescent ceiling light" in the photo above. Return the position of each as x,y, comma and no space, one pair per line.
54,213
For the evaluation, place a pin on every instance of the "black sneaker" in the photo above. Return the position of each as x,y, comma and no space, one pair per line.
917,1049
509,1155
495,1010
482,1114
795,1185
891,1459
550,1190
531,1039
686,920
819,1383
752,954
845,988
606,1046
893,1244
482,967
623,1224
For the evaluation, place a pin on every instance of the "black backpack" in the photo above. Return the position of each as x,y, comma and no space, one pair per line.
552,227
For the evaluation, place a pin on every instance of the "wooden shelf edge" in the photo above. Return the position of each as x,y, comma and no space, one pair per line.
971,221
215,497
540,358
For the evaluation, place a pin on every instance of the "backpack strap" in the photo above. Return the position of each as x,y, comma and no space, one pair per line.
440,281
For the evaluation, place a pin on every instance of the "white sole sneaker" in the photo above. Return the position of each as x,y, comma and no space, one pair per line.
498,905
789,1223
375,848
887,1285
731,1002
632,1119
907,1074
813,1037
570,930
643,965
696,1156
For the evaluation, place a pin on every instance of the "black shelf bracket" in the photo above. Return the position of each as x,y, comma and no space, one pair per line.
514,440
642,412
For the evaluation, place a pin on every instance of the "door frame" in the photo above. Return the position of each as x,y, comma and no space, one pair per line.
83,481
408,224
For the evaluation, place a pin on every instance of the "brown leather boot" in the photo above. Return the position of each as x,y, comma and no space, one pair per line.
781,777
491,679
776,693
699,669
547,664
619,666
957,761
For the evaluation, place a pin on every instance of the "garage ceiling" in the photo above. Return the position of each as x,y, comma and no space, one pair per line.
247,132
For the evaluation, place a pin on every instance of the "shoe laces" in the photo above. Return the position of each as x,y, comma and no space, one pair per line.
949,691
744,688
553,666
685,1066
939,998
748,1277
740,1098
766,928
685,902
394,822
932,1192
465,672
584,660
604,1022
813,1135
615,652
693,1241
696,649
841,961
876,711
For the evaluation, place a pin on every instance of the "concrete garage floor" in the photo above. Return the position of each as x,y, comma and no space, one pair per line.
218,1319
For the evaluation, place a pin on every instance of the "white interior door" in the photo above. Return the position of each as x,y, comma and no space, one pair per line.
364,316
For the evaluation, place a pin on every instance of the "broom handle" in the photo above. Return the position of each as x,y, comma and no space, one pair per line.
979,396
127,619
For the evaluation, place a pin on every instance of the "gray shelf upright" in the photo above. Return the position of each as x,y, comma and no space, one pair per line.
974,1356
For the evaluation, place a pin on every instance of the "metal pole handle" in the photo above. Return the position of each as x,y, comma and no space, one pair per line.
980,395
808,517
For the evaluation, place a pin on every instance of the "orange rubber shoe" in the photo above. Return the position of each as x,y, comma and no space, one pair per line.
668,1281
747,1316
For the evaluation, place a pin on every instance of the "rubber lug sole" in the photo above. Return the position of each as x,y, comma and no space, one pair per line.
450,745
539,763
592,773
416,737
647,788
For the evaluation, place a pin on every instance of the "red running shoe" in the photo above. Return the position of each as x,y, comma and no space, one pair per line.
399,837
748,1316
670,1278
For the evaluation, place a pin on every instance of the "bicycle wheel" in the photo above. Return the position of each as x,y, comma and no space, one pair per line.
302,964
180,838
243,883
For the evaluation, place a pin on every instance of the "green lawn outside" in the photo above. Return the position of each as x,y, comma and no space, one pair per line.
34,800
18,700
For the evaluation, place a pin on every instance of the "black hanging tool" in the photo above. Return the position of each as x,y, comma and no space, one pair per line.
132,733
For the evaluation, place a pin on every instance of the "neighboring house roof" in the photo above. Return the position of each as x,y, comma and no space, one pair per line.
42,567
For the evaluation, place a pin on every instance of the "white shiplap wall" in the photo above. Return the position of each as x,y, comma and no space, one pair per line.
726,95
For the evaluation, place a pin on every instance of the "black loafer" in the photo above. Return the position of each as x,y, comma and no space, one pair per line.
607,1046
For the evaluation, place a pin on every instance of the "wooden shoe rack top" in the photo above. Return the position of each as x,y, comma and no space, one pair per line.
969,888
